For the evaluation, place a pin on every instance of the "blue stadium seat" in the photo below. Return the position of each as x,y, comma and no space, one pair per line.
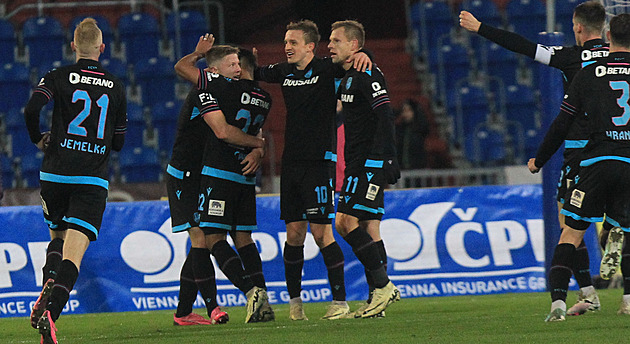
47,66
528,17
484,10
165,115
103,24
134,137
436,20
521,107
30,166
6,169
468,107
193,24
135,114
454,65
500,62
8,41
156,78
140,164
116,67
15,85
45,39
486,147
140,34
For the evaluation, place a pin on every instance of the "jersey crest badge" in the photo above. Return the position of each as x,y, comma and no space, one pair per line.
348,83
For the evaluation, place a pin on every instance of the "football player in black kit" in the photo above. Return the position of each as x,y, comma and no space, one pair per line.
588,22
235,110
601,91
89,120
308,160
182,184
370,155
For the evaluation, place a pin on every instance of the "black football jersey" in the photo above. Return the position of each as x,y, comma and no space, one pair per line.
90,105
368,118
309,96
245,106
570,60
602,91
191,135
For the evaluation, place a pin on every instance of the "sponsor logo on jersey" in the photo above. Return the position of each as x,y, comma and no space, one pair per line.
347,98
577,197
601,71
589,55
312,211
378,89
216,207
372,191
246,98
206,98
75,78
289,82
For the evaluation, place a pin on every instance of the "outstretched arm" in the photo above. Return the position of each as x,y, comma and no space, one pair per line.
186,66
508,40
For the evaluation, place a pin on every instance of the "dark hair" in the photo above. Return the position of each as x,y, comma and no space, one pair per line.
592,15
311,33
620,30
353,30
248,60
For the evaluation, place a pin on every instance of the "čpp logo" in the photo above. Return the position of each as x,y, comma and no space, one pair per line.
413,243
159,256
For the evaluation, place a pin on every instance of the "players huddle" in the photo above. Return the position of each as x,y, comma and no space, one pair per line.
211,175
219,147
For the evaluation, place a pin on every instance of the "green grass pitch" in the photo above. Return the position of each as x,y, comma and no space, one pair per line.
506,318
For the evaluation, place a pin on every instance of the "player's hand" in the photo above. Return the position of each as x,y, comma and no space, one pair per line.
44,142
252,161
204,44
392,170
531,164
361,61
468,21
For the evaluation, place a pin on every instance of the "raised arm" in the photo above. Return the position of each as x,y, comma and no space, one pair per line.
186,67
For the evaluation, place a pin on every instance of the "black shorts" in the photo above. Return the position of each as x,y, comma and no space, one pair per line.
227,205
307,192
75,206
601,188
182,188
362,193
567,177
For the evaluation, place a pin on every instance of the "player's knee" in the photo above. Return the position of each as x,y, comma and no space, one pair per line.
343,224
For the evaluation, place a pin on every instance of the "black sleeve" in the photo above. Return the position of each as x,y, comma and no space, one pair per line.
553,139
509,40
118,141
31,115
384,146
272,74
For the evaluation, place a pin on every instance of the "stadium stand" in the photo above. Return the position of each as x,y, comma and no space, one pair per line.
193,24
140,35
44,38
15,80
8,42
155,76
139,164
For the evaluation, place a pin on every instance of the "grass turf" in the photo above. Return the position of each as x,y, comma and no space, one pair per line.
463,319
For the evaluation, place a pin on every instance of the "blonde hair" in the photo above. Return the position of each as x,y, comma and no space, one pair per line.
88,37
